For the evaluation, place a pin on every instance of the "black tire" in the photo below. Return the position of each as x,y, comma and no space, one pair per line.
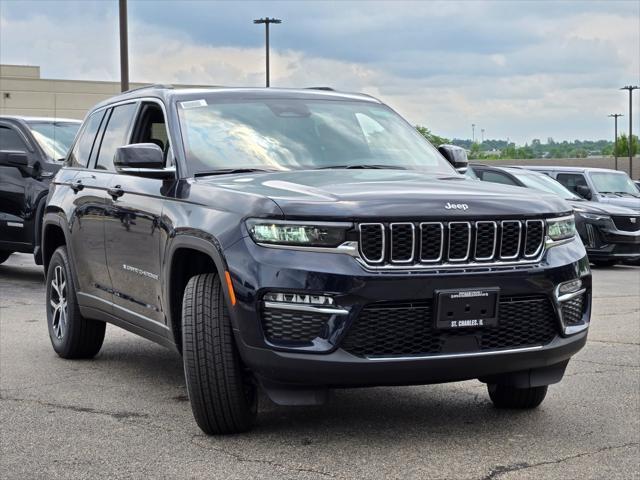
72,335
504,396
222,393
604,263
4,255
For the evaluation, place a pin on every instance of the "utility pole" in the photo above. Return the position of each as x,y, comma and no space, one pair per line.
473,133
124,48
615,136
482,133
267,21
631,88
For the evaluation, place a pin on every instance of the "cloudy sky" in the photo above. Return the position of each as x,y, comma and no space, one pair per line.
518,69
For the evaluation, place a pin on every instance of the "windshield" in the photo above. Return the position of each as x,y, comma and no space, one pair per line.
288,134
546,184
610,182
54,138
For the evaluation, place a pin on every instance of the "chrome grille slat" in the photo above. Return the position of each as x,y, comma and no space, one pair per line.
450,244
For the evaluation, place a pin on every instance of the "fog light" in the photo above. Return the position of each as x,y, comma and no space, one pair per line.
298,298
569,287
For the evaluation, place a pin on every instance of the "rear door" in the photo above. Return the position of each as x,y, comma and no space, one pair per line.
133,230
95,148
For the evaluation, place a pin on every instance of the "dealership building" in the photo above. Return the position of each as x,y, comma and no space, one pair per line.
24,92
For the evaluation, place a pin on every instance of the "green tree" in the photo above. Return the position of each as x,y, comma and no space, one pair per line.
434,139
622,149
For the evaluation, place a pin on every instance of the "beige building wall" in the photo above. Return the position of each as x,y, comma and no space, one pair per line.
24,92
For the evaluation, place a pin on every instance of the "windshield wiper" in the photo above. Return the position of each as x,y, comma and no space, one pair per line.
363,166
227,171
620,193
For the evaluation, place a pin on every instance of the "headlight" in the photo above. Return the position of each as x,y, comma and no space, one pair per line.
595,217
561,228
280,232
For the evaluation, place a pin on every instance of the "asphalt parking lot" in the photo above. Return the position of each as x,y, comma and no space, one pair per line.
125,414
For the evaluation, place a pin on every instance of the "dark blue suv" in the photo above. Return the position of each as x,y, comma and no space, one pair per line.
302,240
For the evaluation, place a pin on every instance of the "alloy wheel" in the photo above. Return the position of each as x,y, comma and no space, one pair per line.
58,302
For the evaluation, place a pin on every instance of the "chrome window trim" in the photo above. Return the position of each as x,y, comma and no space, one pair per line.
436,260
495,240
364,257
526,234
413,242
466,257
510,257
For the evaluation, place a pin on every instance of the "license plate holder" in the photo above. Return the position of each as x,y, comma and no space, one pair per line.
467,308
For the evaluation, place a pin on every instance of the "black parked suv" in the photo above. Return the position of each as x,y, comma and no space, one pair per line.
31,152
610,233
304,240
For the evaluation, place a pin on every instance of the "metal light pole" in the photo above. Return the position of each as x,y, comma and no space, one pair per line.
124,48
473,133
482,133
266,22
615,136
631,88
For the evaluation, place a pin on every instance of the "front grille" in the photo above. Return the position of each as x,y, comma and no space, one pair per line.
627,223
406,328
572,311
409,244
288,326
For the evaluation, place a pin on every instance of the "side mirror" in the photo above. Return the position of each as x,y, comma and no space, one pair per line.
584,191
17,159
457,156
142,160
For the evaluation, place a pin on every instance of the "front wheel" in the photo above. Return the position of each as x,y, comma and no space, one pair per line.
72,335
222,393
504,396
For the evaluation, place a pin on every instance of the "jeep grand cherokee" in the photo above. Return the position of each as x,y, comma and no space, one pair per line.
304,240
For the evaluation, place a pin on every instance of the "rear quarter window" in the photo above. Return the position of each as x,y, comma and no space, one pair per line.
81,152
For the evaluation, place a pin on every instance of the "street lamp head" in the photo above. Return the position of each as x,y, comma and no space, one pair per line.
267,20
629,87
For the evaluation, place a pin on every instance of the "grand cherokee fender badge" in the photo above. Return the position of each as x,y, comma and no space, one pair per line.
456,206
139,271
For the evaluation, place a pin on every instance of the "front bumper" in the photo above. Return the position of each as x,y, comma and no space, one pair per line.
605,242
322,362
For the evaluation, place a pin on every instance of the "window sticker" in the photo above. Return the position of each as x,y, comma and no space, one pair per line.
193,104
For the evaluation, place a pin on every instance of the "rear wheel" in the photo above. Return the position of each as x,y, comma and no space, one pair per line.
72,335
504,396
4,255
222,394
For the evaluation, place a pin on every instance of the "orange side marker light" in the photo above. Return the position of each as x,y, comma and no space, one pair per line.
232,294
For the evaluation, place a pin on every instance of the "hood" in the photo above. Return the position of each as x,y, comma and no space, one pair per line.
600,208
398,194
619,200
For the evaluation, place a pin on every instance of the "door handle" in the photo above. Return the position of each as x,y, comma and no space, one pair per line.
115,192
77,186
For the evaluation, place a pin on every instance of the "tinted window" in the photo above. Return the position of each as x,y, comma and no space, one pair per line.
115,135
496,177
11,140
81,152
571,180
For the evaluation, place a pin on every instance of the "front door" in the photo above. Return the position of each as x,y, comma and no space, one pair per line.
133,232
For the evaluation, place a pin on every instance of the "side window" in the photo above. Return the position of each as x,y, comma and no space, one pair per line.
572,180
115,135
81,152
496,177
11,140
151,127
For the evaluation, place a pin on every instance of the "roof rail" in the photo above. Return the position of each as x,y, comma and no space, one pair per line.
327,89
144,87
